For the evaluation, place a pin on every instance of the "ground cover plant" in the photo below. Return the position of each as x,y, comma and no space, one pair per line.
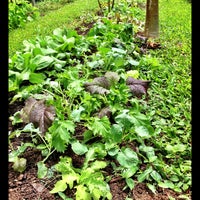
104,109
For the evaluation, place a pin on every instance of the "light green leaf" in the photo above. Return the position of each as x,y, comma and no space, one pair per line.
124,119
142,132
58,142
130,182
134,63
127,173
19,164
156,176
42,170
100,126
82,193
166,184
175,148
144,174
70,178
79,148
63,196
174,178
77,113
42,61
36,78
116,133
119,50
127,158
69,125
60,186
151,187
132,73
113,151
98,165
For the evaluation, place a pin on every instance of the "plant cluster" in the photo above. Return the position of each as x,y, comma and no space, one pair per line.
91,81
21,12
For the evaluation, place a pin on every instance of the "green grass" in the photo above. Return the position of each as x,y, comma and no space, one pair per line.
170,95
66,16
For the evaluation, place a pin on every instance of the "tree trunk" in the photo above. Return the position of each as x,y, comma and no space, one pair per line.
152,19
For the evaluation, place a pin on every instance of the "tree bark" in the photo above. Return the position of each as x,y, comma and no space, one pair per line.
152,19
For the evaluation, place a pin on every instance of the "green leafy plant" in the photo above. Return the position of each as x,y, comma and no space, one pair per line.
21,12
70,81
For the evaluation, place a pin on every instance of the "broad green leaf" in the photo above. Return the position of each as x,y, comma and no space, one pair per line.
166,184
68,45
63,196
149,152
75,114
127,173
30,128
151,187
60,186
156,176
42,170
98,165
16,118
134,63
24,75
79,148
58,143
185,186
144,174
58,32
15,153
69,125
42,61
142,132
75,86
37,51
36,78
113,151
95,64
19,164
127,158
124,119
118,50
82,193
70,178
174,178
175,148
90,155
130,182
48,51
116,133
100,126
